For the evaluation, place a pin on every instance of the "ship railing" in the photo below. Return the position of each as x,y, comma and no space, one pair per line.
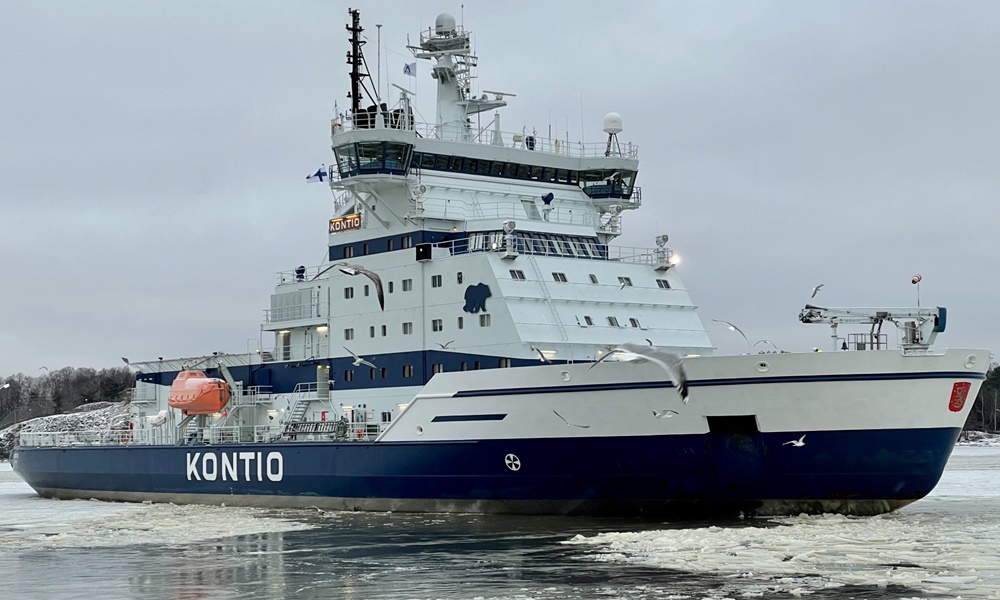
497,243
299,275
252,396
151,436
230,434
145,394
508,210
115,437
295,312
266,433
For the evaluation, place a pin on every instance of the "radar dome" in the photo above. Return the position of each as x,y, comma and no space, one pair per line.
444,24
612,123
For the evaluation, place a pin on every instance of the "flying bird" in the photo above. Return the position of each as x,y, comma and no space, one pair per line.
445,345
125,360
649,341
358,361
43,367
733,328
624,283
541,355
765,342
797,443
669,362
664,414
816,290
349,269
568,424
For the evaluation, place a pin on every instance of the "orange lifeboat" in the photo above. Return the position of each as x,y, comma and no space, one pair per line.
196,394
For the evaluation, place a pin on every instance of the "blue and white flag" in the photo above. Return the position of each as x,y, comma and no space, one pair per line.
317,177
410,69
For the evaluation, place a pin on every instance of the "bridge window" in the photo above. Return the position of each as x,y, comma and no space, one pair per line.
663,283
607,183
366,290
364,248
347,160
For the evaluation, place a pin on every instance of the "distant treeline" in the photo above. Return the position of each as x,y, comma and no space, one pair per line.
63,390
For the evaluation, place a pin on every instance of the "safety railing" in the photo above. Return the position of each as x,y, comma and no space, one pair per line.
115,437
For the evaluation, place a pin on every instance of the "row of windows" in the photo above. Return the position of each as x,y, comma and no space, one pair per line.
390,245
436,325
518,275
407,287
408,370
612,321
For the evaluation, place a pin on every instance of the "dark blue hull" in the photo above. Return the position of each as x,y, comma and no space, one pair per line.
853,472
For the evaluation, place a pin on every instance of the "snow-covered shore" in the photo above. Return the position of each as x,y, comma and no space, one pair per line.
99,416
979,438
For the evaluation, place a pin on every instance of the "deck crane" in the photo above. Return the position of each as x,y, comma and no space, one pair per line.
920,326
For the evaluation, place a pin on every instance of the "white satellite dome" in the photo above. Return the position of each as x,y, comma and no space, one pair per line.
444,24
612,123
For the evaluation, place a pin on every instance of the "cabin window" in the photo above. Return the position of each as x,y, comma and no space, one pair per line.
437,368
437,325
463,366
663,284
285,344
504,363
348,251
458,277
427,161
366,290
348,293
517,274
371,373
390,287
461,322
632,321
385,372
613,321
371,331
349,375
407,285
407,328
475,365
435,281
406,242
407,370
588,320
625,281
498,169
389,245
560,277
593,278
387,415
484,320
349,334
383,331
364,248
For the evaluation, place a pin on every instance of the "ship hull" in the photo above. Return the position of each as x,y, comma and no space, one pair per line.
716,474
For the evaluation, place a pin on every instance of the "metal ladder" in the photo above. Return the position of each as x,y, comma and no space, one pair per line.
548,298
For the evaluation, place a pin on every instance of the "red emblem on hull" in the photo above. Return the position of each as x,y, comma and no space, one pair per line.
959,392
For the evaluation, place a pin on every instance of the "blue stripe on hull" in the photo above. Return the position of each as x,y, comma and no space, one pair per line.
716,473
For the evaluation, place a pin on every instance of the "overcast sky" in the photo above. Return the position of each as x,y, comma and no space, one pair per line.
153,155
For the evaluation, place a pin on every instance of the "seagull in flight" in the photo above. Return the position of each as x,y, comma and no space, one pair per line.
624,283
358,361
669,362
445,345
816,290
797,443
43,367
349,269
568,424
541,355
125,360
664,414
733,328
765,342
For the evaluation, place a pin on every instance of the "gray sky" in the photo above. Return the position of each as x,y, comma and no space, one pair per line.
153,155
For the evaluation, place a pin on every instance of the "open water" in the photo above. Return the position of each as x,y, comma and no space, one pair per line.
945,546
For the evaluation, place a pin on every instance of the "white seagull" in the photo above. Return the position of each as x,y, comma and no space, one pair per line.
816,290
358,361
664,414
349,269
541,355
797,443
669,362
733,328
568,424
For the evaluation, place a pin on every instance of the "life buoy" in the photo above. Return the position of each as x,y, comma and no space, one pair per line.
360,434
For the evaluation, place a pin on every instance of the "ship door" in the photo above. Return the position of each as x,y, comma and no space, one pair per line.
322,382
740,462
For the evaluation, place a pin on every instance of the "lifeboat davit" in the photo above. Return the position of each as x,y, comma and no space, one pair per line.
196,394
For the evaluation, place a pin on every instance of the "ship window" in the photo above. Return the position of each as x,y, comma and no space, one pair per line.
593,278
475,365
484,320
387,415
441,163
461,322
406,242
564,247
437,368
455,163
538,245
364,248
562,176
536,173
560,277
407,371
407,328
349,375
613,321
348,251
348,293
383,331
578,248
458,277
285,343
427,161
366,290
395,156
498,168
632,321
385,372
663,283
588,320
522,172
437,325
504,363
484,168
625,281
349,334
472,165
347,161
435,281
389,245
517,274
530,209
371,372
407,285
463,366
370,156
371,331
390,287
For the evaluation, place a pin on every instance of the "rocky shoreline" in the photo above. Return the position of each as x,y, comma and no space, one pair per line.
97,416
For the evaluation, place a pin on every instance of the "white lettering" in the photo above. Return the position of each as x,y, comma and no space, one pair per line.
260,467
192,466
209,475
246,457
277,472
229,466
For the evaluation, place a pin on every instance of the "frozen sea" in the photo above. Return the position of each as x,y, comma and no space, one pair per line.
945,546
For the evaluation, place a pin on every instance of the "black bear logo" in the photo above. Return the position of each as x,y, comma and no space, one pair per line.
475,298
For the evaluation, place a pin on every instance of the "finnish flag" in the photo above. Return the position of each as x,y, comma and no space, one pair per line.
317,177
410,69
